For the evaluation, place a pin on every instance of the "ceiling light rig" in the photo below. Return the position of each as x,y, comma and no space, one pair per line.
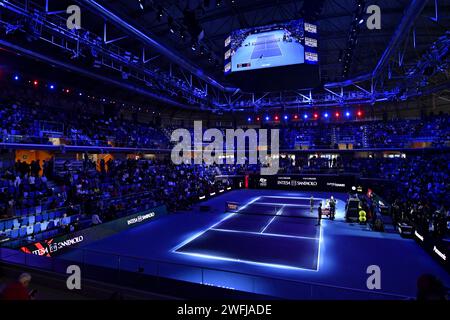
346,57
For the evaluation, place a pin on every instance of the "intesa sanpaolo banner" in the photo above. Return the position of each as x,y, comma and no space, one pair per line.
57,245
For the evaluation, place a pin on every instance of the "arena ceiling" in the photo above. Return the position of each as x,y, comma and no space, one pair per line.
218,18
186,40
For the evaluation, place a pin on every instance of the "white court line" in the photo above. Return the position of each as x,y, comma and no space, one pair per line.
272,265
282,204
260,234
195,236
265,234
271,220
281,197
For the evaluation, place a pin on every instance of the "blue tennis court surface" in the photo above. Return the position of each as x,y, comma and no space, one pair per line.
273,231
268,49
266,46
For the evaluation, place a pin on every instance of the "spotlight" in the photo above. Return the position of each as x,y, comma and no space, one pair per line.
316,115
277,118
347,114
359,114
326,115
267,118
80,94
249,119
258,118
16,77
337,114
52,87
35,83
286,117
67,90
305,116
296,117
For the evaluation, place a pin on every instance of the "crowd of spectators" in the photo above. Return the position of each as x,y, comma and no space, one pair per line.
31,116
27,116
177,186
368,134
421,192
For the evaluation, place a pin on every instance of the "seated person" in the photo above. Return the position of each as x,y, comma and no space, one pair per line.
65,223
96,219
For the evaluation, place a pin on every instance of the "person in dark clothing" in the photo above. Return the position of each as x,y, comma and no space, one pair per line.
430,288
319,214
332,208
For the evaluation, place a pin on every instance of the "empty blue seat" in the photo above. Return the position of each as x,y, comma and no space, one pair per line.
44,216
38,218
50,225
51,215
2,226
44,225
30,230
37,228
14,233
22,232
8,224
31,220
24,221
58,214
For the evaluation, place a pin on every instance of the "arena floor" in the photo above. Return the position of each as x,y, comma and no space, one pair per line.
276,255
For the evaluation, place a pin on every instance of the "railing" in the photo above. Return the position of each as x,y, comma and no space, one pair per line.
117,268
27,139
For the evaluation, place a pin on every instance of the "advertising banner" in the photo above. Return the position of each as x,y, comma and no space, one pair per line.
57,245
334,183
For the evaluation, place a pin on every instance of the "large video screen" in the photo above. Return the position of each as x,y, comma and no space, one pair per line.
276,45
